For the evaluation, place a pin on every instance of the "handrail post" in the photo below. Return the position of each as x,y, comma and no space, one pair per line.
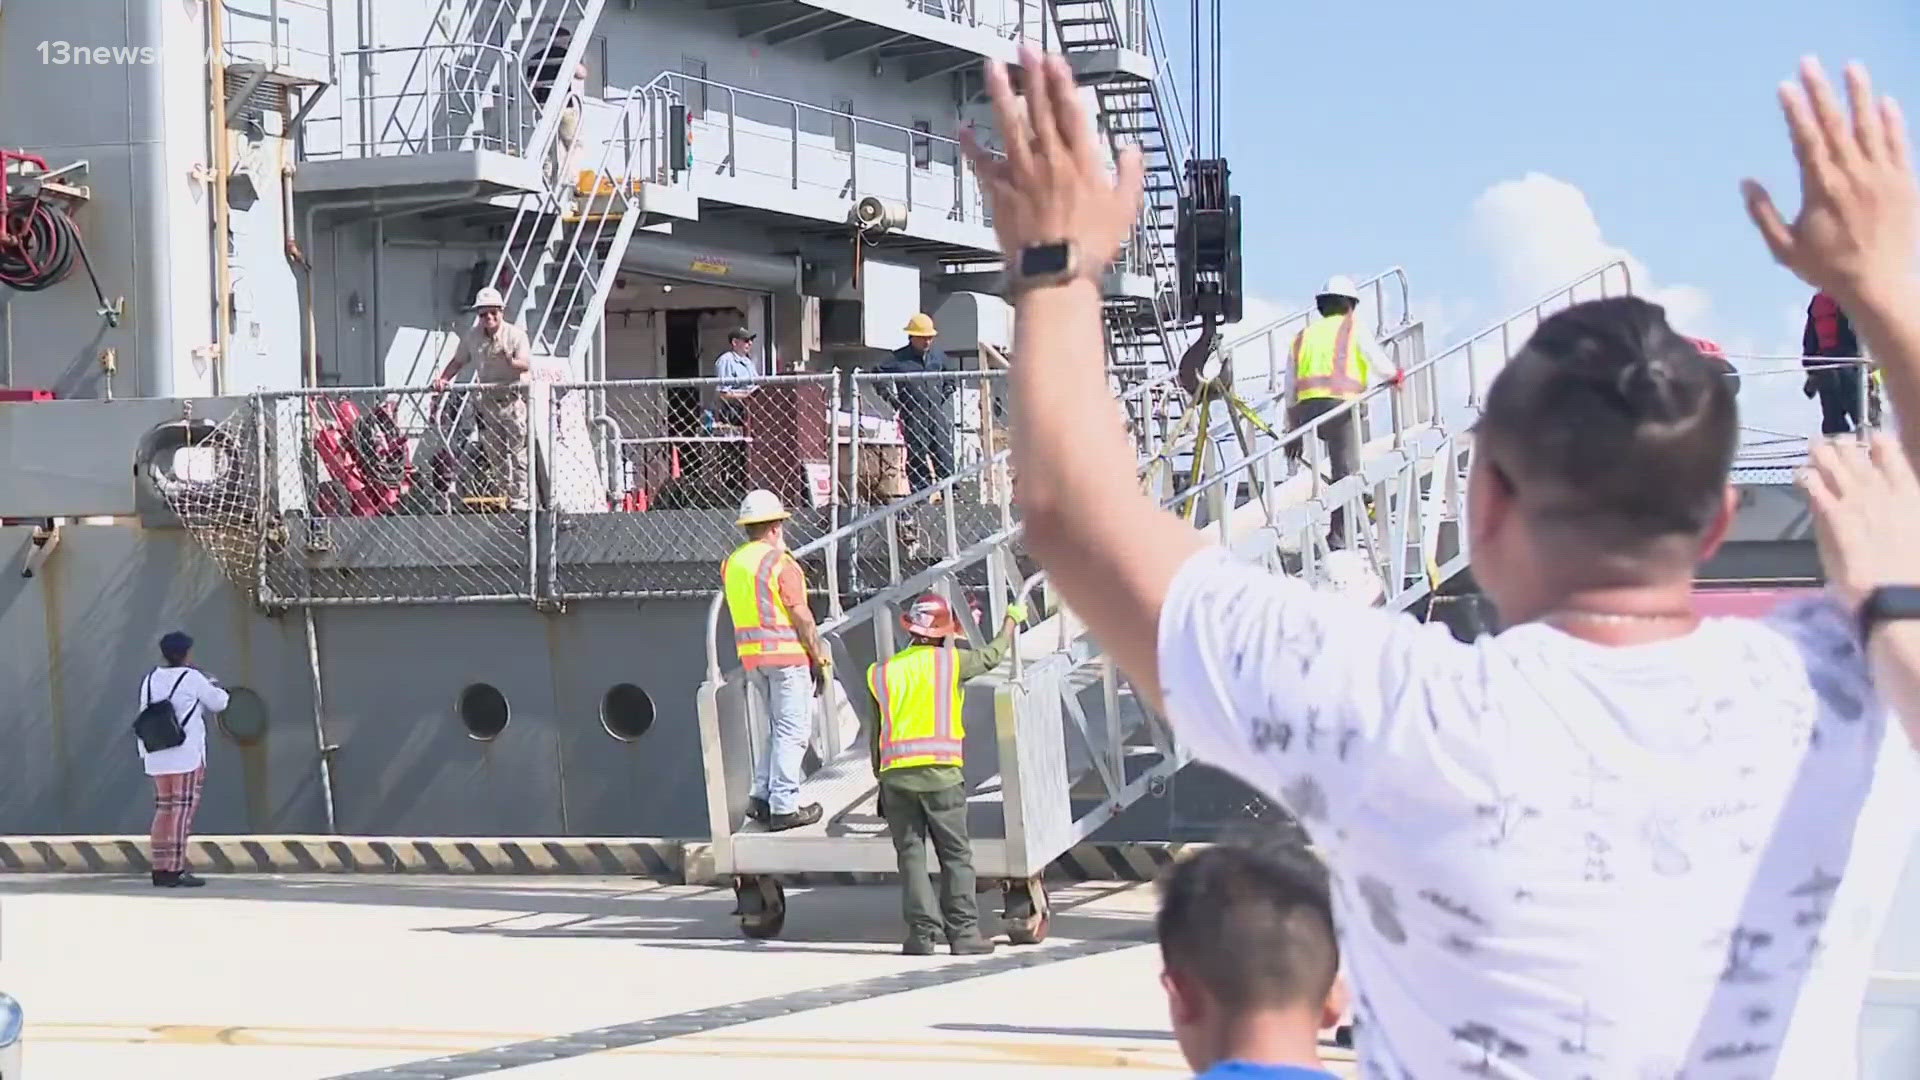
795,179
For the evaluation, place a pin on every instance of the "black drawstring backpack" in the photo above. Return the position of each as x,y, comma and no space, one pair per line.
159,726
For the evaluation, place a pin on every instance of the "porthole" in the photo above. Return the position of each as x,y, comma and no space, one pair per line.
245,718
626,711
483,709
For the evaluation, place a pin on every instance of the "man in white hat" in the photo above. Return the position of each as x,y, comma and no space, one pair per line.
505,358
779,646
1333,358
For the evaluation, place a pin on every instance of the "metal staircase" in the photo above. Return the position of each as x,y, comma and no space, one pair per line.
1135,109
468,82
564,247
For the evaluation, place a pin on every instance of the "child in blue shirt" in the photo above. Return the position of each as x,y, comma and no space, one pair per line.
1251,967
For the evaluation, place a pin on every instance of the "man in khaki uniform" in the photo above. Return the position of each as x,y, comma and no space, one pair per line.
505,359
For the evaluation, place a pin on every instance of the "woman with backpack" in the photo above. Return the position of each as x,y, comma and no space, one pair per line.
171,731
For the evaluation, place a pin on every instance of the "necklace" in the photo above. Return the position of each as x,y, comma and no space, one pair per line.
1612,617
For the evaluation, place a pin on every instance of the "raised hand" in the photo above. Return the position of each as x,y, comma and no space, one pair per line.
1053,184
1866,514
1859,222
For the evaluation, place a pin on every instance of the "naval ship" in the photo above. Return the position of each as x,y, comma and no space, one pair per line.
243,239
240,241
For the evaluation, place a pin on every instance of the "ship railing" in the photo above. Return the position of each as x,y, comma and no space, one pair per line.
1790,387
298,36
804,147
1014,20
421,99
1263,356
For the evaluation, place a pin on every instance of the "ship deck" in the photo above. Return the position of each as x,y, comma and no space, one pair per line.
297,977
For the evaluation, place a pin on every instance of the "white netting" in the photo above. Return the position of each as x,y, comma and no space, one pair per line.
212,478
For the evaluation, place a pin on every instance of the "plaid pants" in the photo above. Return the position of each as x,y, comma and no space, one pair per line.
175,797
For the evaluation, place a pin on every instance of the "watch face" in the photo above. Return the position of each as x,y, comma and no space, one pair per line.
1045,260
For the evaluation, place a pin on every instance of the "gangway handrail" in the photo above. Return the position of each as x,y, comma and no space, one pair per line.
1379,308
1013,531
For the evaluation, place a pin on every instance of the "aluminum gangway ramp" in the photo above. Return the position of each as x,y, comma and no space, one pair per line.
1057,743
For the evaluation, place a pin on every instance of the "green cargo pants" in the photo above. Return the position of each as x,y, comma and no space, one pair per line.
914,817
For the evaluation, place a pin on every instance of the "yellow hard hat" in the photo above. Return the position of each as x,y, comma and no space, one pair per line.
761,506
920,326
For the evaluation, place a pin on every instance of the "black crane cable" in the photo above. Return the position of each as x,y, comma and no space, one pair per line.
1207,142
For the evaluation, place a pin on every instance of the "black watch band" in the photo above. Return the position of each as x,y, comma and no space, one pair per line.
1887,603
1040,265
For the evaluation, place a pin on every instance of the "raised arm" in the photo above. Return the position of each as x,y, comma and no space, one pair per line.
1867,516
1107,548
1859,225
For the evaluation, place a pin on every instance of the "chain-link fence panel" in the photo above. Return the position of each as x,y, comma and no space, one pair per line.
406,495
649,474
934,444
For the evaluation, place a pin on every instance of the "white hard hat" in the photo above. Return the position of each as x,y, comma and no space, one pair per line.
761,506
488,298
1340,285
1348,573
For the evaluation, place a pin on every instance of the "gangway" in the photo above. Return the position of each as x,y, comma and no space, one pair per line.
1058,743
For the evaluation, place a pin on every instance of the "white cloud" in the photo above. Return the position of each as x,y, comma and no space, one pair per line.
1541,233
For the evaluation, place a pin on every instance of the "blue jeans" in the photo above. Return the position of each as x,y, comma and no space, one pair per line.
786,693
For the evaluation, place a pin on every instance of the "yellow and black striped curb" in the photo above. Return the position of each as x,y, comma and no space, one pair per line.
662,860
353,855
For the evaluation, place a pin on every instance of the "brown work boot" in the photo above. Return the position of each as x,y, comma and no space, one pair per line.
799,819
973,946
917,947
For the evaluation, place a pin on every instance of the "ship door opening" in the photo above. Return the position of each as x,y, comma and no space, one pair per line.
681,443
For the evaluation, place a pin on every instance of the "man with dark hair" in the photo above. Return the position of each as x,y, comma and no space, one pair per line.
1251,967
1614,840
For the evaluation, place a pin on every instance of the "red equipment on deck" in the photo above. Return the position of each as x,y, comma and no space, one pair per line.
366,455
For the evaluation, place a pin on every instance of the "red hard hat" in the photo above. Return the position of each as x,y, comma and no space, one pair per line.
930,617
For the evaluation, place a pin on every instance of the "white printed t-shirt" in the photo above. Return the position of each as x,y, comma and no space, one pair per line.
193,698
1552,858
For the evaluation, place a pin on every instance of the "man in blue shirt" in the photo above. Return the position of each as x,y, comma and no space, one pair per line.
1251,967
926,423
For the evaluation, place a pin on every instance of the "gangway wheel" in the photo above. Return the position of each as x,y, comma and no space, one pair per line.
761,904
1028,913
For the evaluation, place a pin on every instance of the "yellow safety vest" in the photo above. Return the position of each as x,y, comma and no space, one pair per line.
920,701
763,633
1327,361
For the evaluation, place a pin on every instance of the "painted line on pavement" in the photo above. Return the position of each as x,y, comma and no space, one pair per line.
698,1021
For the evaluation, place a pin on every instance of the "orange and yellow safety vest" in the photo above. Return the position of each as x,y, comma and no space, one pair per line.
763,633
1327,360
920,703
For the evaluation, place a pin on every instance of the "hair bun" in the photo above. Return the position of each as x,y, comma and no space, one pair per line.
1652,389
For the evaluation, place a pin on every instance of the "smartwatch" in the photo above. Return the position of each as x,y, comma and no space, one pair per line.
1887,603
1041,265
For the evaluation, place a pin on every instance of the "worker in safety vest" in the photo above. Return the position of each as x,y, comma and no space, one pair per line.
917,755
779,645
1333,358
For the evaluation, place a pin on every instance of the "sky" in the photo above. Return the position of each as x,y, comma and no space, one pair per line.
1496,149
